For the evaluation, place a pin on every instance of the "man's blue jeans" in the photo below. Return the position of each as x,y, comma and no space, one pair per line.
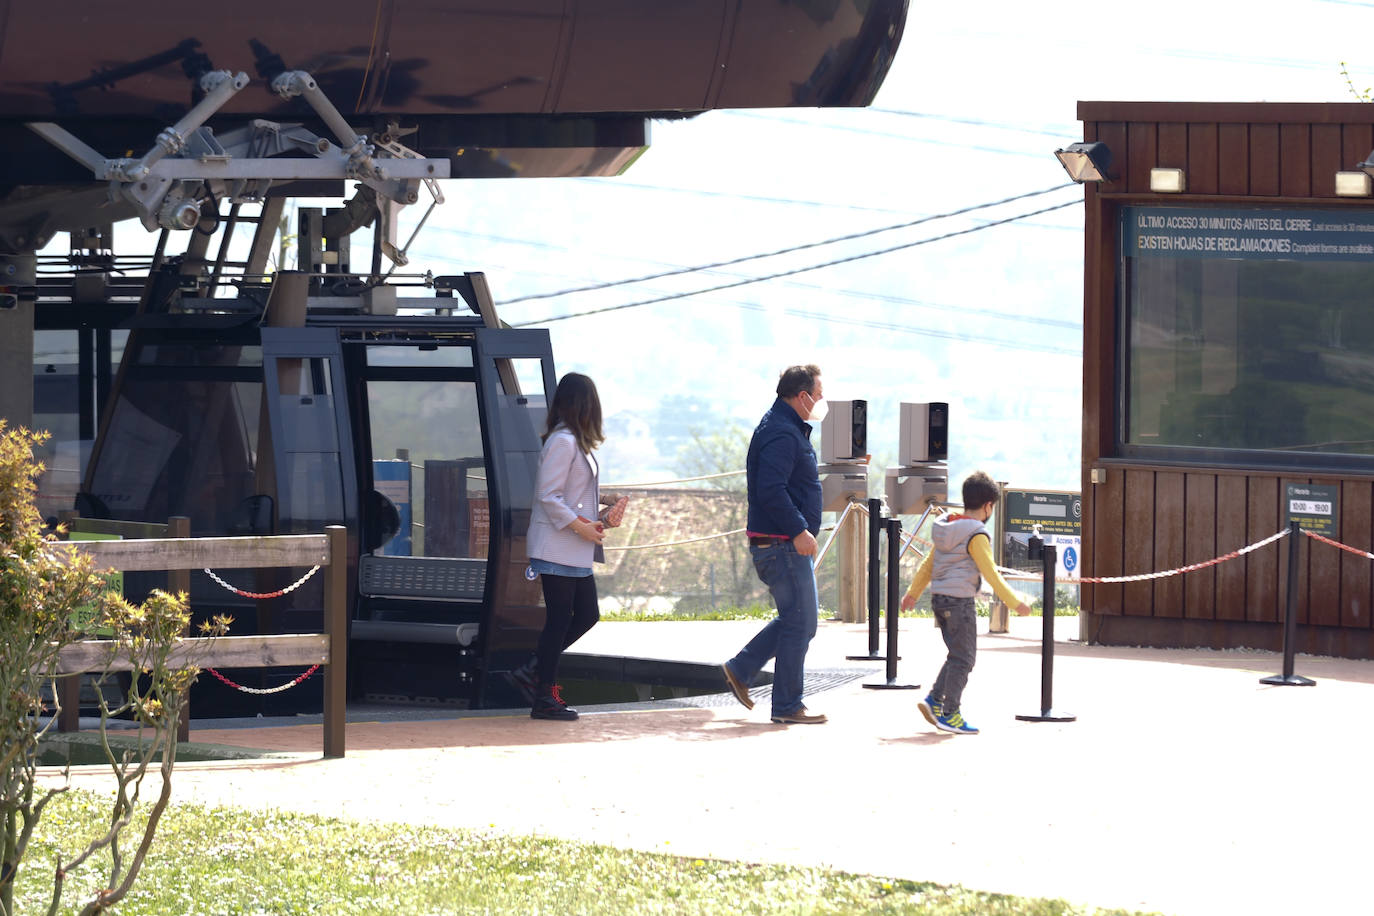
791,579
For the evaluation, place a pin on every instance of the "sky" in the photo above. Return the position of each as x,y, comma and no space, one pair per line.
989,320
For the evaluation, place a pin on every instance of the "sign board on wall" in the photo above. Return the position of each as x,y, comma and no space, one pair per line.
1058,514
1313,506
1248,234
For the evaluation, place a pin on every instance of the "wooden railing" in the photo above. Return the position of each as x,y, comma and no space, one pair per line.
328,649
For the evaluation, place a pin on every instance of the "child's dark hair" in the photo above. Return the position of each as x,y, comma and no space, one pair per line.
979,490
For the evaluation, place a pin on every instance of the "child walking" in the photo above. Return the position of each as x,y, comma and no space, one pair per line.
954,568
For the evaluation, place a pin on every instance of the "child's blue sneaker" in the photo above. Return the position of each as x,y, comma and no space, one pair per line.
953,722
930,708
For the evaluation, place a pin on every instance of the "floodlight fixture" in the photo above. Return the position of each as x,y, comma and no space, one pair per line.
1085,161
1354,184
1168,181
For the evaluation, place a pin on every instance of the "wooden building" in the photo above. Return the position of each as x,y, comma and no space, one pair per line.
1228,357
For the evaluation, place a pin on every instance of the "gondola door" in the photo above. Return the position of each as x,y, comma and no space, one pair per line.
516,381
306,465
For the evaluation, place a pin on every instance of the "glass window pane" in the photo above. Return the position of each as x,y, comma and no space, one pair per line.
457,357
428,460
1269,349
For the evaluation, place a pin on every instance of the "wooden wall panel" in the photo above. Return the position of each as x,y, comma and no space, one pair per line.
1173,147
1141,156
1326,159
1169,541
1357,141
1357,519
1106,546
1139,541
1231,535
1202,158
1200,544
1233,159
1295,160
1112,133
1262,566
1324,573
1264,160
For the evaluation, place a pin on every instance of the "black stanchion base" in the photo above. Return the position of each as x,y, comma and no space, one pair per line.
891,686
1292,680
869,658
1049,715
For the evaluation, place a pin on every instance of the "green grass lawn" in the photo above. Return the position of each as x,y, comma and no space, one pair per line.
229,861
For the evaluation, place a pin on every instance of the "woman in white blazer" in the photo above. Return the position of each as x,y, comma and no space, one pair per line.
567,525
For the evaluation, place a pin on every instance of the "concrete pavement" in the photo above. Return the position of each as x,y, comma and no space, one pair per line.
1184,786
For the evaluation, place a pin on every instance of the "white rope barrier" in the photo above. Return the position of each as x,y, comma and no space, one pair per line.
1141,577
664,483
709,537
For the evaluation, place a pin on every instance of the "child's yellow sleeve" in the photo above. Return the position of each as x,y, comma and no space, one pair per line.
980,548
922,577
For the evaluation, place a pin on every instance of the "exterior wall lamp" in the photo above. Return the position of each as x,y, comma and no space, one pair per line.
1356,184
1168,181
1085,161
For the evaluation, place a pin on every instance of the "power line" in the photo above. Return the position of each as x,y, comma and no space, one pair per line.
803,247
799,270
1058,131
920,332
996,150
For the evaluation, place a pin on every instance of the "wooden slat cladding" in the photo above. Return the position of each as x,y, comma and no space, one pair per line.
1157,520
1262,566
1357,518
1143,518
1231,534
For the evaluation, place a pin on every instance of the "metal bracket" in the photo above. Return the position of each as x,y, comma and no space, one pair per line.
188,165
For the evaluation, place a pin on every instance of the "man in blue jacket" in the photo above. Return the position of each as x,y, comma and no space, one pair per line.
784,519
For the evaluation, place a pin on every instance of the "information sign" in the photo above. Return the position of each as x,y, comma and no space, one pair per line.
1313,506
1058,514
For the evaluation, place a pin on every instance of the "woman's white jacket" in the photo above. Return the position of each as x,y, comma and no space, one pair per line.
565,488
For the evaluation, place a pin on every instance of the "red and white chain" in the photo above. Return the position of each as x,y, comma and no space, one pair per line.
277,594
261,691
1346,547
1103,580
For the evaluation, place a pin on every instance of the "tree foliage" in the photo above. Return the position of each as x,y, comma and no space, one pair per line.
51,598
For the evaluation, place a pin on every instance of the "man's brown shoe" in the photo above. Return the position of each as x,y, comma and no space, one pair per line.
800,717
737,687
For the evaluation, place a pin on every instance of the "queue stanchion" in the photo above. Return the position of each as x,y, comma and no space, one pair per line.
875,534
1048,557
894,576
1290,619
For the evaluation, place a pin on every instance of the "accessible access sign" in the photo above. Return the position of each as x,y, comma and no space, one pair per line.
1269,235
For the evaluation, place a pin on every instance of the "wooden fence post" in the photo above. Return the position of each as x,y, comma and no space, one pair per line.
68,688
179,580
336,628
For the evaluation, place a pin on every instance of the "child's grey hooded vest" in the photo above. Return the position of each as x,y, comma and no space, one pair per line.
954,573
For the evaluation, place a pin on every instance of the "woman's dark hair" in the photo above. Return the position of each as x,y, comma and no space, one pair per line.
576,406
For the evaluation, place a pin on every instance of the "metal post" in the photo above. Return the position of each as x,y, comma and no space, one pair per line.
1290,618
1049,556
894,576
875,521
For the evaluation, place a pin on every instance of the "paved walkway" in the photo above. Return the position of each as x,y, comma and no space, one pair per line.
1184,786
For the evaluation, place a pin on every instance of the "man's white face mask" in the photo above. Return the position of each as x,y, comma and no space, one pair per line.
818,410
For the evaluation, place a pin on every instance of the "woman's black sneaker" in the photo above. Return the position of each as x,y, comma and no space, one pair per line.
551,706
